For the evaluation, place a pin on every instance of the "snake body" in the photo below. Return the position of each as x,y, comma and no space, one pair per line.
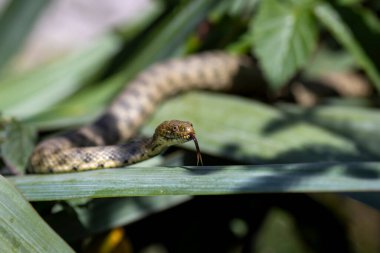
92,146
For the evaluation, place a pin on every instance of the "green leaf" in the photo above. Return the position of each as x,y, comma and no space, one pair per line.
168,37
236,8
36,91
16,22
185,180
253,132
28,94
21,229
79,109
284,36
17,145
349,2
358,124
329,17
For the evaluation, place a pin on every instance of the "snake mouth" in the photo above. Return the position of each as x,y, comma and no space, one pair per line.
199,156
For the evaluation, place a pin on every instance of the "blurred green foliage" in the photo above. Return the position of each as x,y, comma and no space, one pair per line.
292,41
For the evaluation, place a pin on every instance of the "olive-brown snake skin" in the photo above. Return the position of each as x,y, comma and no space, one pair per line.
89,146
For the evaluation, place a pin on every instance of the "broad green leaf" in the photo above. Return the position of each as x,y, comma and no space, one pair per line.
250,132
284,36
21,229
16,21
17,145
207,180
330,18
358,124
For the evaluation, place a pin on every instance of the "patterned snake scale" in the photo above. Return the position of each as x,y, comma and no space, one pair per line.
93,146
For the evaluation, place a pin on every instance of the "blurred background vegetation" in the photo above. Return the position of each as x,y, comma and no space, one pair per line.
311,122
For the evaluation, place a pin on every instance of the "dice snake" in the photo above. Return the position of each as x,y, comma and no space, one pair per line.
97,145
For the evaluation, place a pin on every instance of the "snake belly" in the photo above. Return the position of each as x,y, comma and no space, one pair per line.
92,146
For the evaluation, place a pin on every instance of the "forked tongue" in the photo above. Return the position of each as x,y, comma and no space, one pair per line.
199,156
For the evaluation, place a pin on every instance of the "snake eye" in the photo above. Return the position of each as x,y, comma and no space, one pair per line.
175,128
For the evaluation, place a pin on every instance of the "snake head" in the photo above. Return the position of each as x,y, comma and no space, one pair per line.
174,132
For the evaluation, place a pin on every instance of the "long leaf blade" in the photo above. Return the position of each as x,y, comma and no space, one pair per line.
151,181
28,94
332,20
21,229
15,24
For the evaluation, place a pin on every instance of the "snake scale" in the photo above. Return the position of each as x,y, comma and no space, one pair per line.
93,146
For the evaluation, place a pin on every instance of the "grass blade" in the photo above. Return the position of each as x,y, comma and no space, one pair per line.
329,17
21,229
15,24
28,94
152,181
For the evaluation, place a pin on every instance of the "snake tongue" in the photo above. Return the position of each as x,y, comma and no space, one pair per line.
199,156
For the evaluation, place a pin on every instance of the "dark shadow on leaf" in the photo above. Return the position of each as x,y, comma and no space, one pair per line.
303,154
281,124
285,179
365,142
296,165
363,32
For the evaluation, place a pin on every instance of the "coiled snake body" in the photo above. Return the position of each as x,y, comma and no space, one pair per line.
89,146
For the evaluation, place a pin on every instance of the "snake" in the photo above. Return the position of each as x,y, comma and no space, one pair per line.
110,142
